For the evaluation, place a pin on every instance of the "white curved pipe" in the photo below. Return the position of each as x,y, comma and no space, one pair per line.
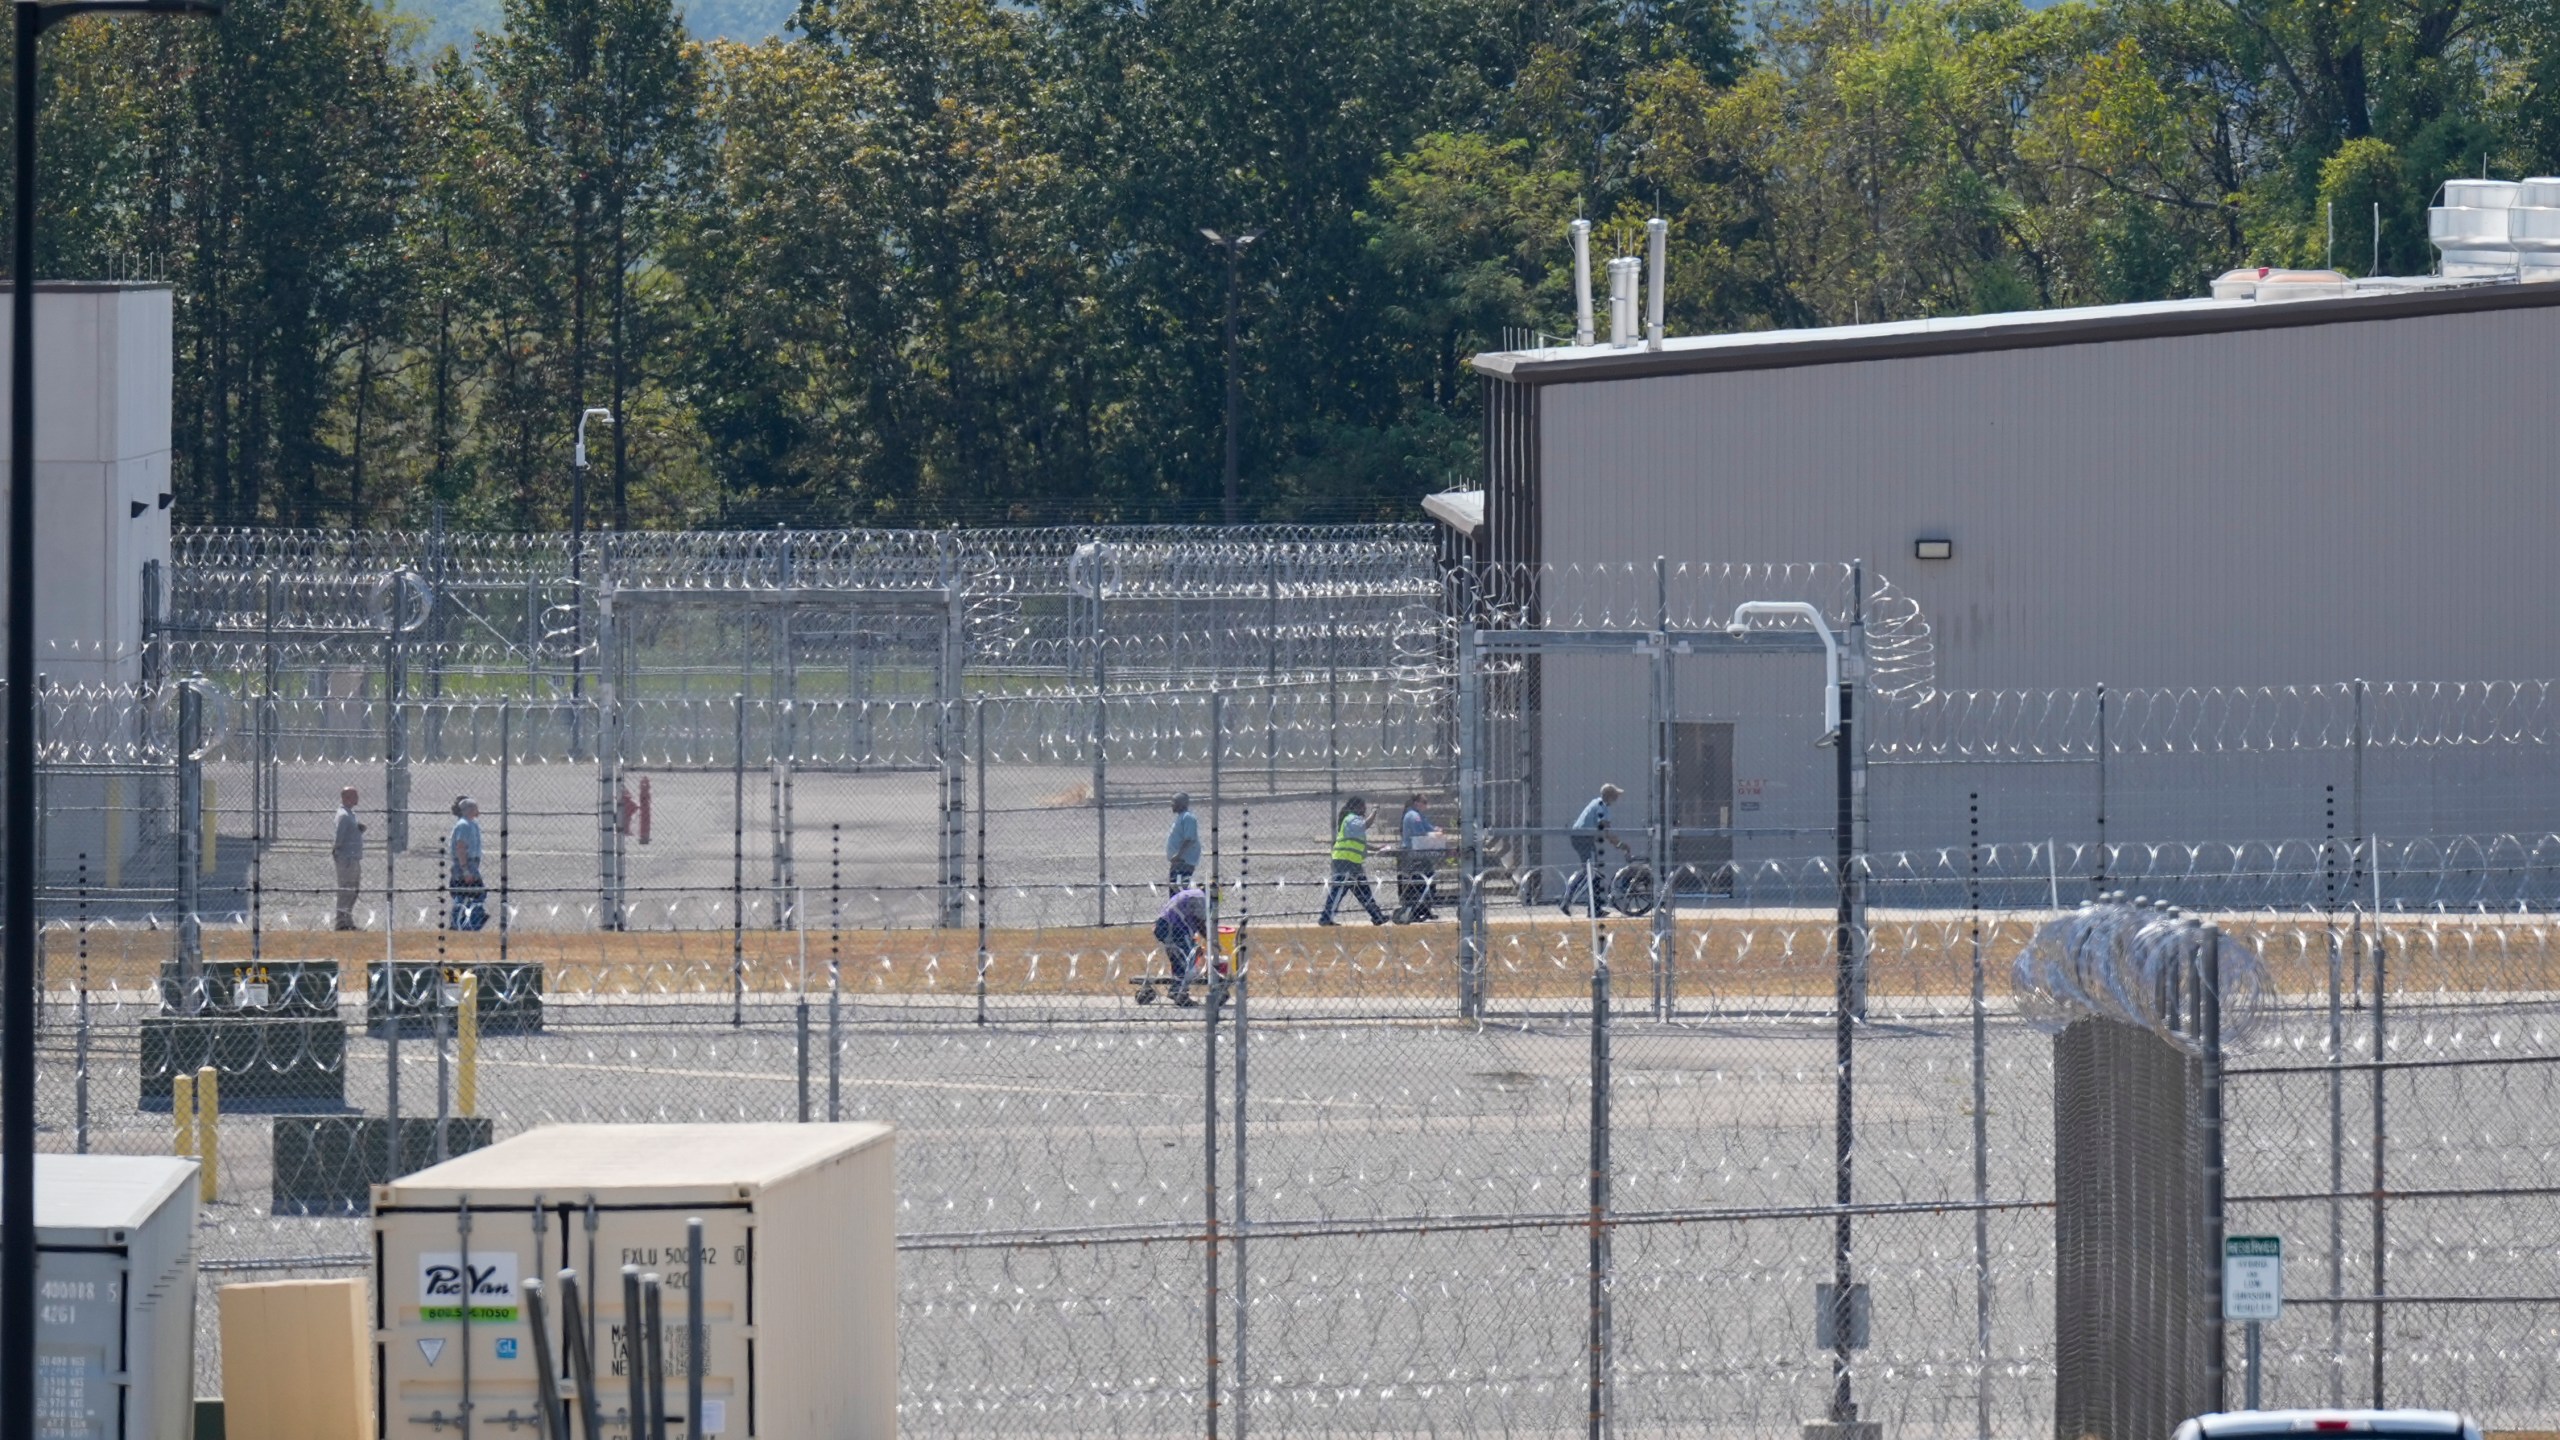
591,412
1811,615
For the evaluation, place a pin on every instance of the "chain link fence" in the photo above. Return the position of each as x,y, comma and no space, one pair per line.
897,857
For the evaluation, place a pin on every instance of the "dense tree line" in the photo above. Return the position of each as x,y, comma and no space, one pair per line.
929,260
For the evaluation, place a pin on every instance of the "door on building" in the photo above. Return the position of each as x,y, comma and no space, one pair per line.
1702,799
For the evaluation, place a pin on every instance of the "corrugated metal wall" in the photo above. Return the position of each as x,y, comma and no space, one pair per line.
2273,508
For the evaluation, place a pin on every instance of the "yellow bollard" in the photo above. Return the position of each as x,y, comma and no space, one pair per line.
182,1108
466,1041
208,1133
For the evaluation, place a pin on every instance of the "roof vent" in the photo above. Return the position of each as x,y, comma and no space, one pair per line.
2470,229
2266,283
2533,228
1622,301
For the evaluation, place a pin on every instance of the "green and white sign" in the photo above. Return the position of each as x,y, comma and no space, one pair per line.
487,1285
2252,1277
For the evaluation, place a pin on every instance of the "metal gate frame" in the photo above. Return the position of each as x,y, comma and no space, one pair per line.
1846,660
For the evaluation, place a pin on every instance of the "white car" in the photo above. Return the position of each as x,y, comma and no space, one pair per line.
2362,1424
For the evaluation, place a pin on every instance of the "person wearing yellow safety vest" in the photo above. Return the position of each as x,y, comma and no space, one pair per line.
1351,863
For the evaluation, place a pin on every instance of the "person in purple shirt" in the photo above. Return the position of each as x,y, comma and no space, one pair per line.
1182,925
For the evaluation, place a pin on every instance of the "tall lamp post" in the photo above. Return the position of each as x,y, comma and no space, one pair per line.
1234,245
577,562
18,891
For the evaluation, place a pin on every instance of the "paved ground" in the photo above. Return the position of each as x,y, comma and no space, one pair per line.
1421,1181
866,844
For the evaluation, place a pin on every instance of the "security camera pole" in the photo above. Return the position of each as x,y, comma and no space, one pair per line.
1234,245
18,894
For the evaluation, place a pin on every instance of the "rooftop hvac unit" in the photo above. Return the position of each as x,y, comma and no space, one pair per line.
2533,228
799,1276
115,1297
2470,228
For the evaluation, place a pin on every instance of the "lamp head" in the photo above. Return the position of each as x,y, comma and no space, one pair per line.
592,412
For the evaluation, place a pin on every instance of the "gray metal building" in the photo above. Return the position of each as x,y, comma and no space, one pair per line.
2257,500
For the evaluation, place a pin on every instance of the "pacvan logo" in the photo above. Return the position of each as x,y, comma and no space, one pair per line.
490,1278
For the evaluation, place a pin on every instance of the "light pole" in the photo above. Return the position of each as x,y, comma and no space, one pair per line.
1849,994
1234,245
577,563
18,892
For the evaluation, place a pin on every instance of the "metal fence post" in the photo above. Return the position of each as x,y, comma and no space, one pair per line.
1270,672
1242,1381
1333,710
395,719
44,813
835,973
266,769
1599,1340
1850,1002
391,978
738,871
1663,840
2208,1007
2381,1052
2098,877
506,808
190,839
978,746
80,1027
2363,734
2337,1057
948,744
1205,964
438,1019
1471,918
2355,819
608,729
1207,957
786,859
1101,767
1981,1128
800,1027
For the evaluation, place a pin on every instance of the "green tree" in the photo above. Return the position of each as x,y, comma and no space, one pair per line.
593,108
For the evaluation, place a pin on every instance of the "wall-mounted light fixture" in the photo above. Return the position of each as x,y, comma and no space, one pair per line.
140,508
1933,549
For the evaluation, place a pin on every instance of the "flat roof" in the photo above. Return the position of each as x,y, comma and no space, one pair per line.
2378,299
570,1159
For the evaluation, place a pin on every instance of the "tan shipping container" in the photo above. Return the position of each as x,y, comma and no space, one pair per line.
799,1288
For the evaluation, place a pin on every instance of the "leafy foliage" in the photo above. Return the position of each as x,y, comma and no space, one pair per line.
921,261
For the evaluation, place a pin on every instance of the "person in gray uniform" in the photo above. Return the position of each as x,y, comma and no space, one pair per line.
346,851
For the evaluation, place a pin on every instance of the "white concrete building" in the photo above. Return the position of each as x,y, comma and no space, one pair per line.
103,398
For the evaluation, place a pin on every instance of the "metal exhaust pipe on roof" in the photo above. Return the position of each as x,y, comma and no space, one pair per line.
1622,301
1656,231
1582,282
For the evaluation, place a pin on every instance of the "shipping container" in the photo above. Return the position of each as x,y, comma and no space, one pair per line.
115,1297
799,1276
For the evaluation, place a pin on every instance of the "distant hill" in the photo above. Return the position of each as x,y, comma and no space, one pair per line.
453,22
